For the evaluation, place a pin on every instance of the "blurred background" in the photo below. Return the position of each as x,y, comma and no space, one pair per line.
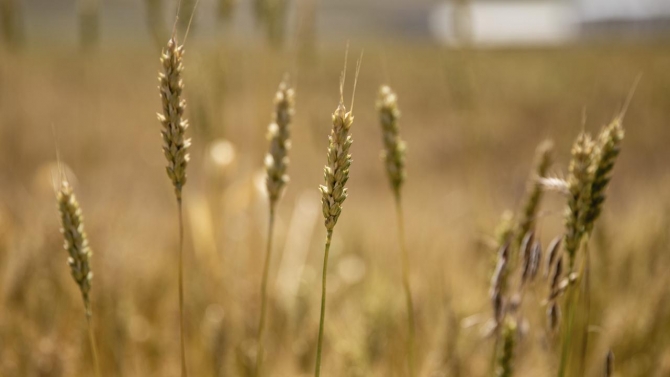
480,85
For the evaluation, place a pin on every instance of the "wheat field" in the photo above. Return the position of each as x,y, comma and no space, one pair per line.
471,120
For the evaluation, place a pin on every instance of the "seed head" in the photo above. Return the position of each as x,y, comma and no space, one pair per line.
579,198
336,171
175,143
605,155
394,147
75,241
276,161
543,160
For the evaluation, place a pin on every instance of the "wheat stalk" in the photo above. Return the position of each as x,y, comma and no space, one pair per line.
175,149
333,192
393,156
504,366
276,163
77,246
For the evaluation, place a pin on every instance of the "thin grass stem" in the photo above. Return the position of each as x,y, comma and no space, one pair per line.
264,284
94,347
405,282
319,344
184,370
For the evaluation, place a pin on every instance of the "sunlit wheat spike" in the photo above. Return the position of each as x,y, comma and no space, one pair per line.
276,161
76,242
579,197
605,154
543,160
394,147
336,171
175,143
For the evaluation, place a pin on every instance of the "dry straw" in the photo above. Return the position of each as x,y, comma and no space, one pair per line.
333,192
276,164
77,246
393,156
175,149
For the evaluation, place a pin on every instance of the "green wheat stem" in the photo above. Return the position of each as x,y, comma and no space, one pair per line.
567,336
405,281
319,344
264,284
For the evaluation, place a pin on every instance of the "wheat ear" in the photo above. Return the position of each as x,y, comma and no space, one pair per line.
605,154
276,163
175,148
579,194
76,244
543,160
393,156
333,192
